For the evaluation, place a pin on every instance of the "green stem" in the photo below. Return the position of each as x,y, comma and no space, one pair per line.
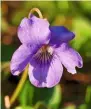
35,10
19,87
24,75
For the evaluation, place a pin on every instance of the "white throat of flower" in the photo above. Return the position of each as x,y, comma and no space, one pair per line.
50,50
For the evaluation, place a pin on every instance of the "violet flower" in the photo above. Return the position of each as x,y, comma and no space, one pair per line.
46,49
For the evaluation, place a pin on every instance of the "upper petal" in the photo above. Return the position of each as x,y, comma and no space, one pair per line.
46,75
34,31
69,58
60,34
21,58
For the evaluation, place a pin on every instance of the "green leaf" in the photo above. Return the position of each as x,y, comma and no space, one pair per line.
56,98
42,94
4,25
50,96
63,6
88,95
82,29
26,95
82,40
70,107
47,8
2,104
83,106
86,6
18,16
23,107
7,51
40,105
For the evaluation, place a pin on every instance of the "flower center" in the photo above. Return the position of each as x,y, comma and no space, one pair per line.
47,48
44,54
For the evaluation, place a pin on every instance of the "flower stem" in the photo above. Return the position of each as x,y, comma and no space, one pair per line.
19,87
35,10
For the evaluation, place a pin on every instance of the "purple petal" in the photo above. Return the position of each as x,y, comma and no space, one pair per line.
60,34
21,58
34,31
46,75
69,58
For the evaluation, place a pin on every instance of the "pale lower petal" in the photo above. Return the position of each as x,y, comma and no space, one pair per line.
46,75
69,58
21,57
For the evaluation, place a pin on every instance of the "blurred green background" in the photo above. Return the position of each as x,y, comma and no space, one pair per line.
73,91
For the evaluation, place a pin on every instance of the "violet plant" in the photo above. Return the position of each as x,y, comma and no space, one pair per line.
45,48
